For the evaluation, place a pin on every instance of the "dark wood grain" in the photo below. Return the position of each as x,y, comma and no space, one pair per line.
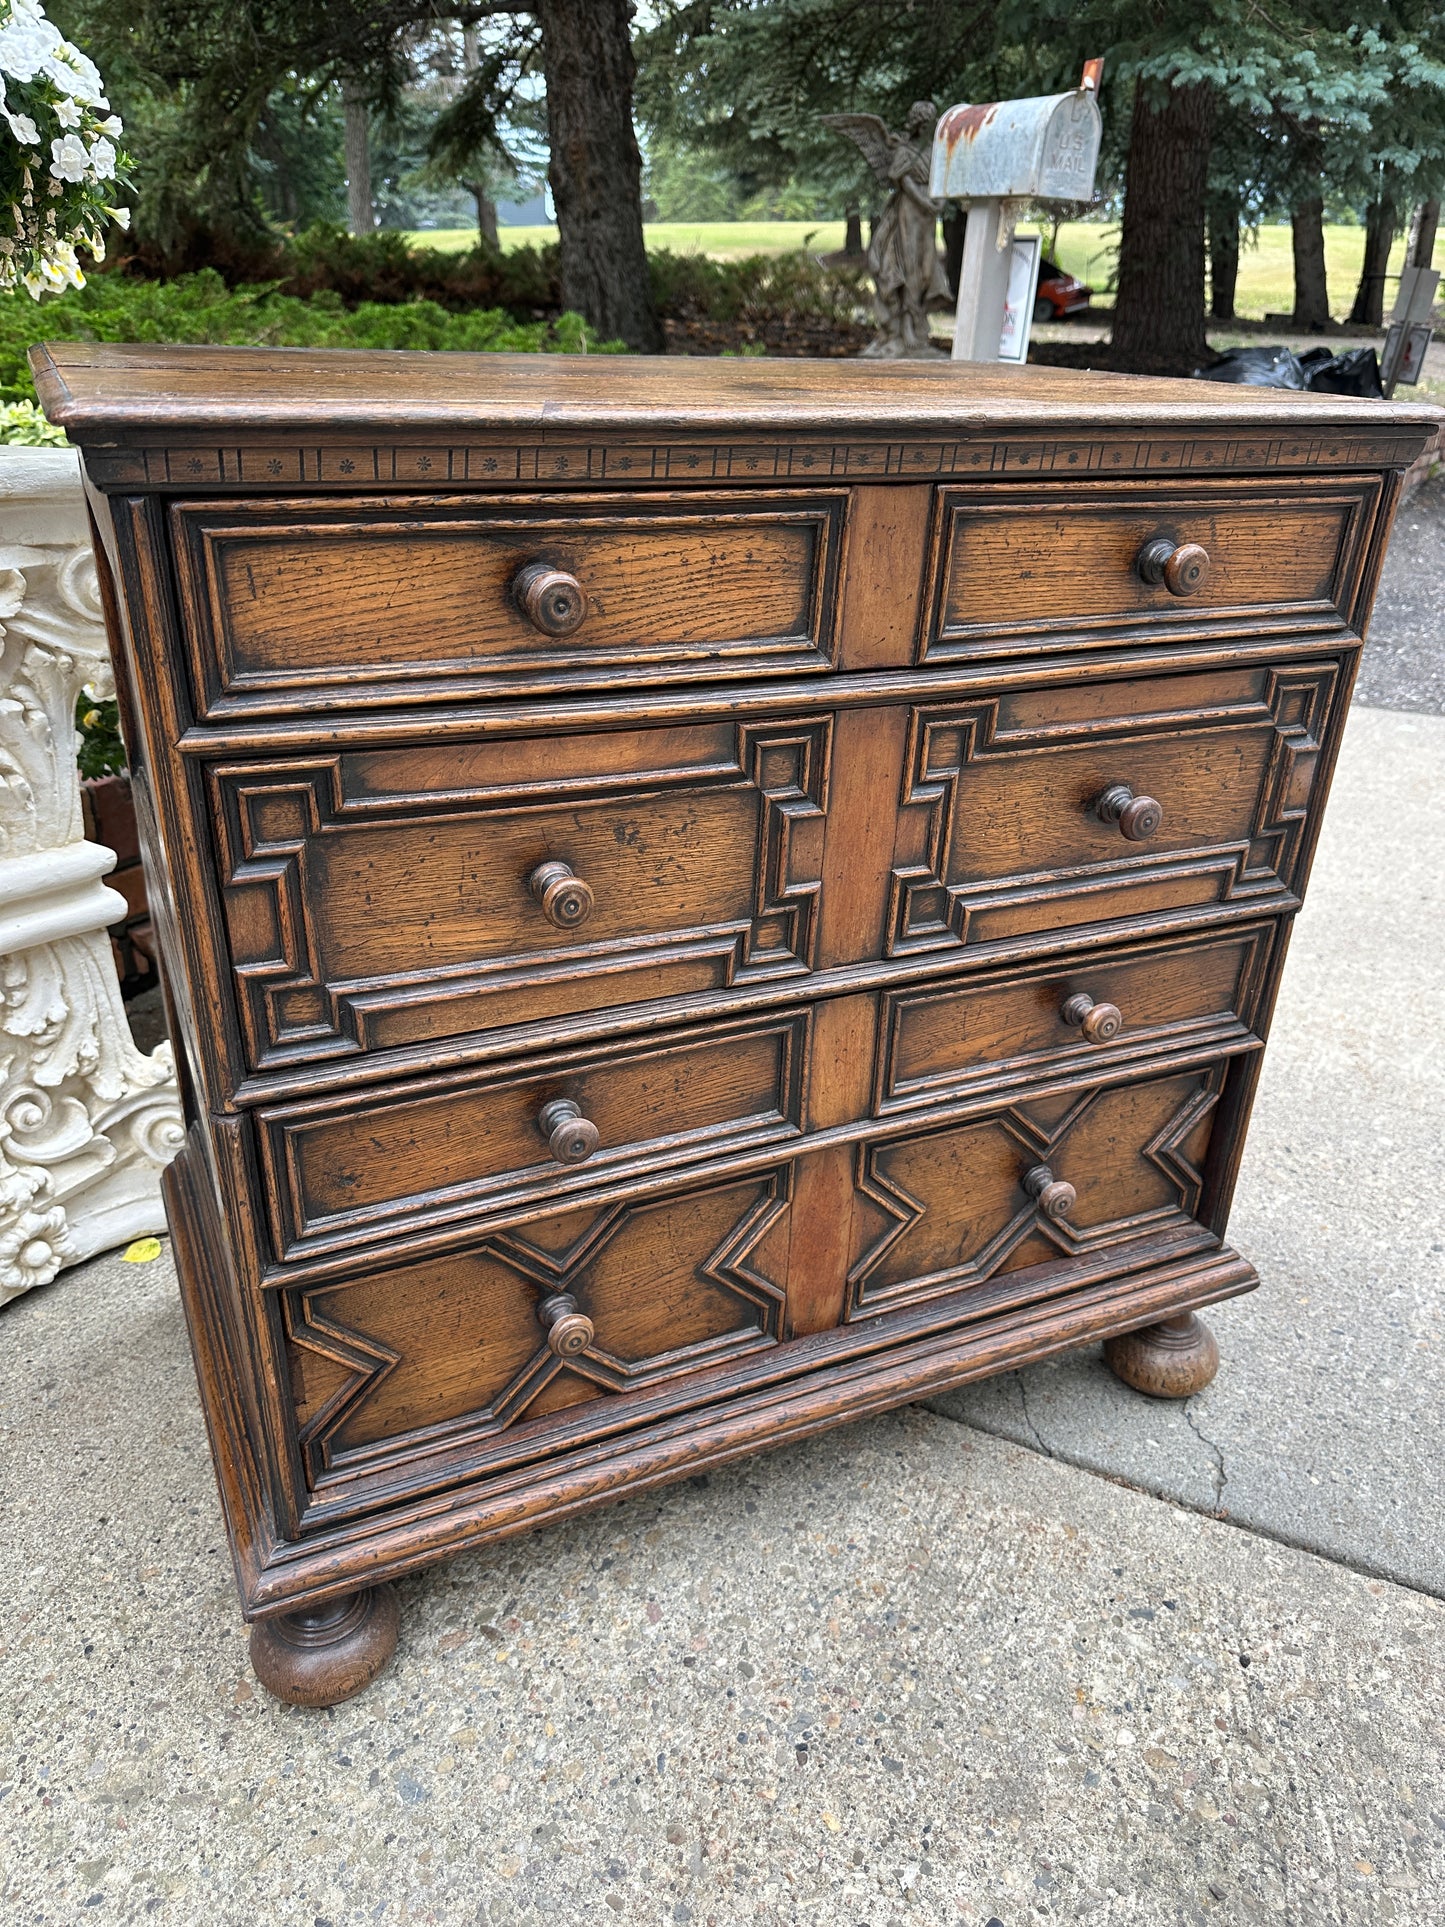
101,387
1024,565
293,599
806,944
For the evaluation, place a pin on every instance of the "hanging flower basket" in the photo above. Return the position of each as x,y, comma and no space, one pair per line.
60,166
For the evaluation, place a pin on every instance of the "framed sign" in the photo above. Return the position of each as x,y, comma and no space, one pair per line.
1023,286
1412,360
1403,355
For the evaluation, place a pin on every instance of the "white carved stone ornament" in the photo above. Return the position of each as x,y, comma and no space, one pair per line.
86,1120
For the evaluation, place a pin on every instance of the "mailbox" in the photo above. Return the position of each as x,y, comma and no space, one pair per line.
992,158
1018,150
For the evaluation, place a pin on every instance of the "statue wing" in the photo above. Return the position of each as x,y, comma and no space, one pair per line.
872,138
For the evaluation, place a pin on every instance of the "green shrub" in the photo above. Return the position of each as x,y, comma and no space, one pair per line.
383,268
779,287
201,308
100,751
23,425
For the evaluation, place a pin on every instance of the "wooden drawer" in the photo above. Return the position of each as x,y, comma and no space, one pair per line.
1005,830
397,1162
1113,1006
1018,570
577,1328
462,1354
297,605
383,897
953,1206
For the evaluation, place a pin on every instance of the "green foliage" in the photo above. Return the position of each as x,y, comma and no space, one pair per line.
687,185
101,751
194,80
296,152
23,426
201,308
794,287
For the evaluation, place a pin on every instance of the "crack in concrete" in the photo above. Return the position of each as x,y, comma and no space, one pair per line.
1221,1477
1034,1431
1261,1529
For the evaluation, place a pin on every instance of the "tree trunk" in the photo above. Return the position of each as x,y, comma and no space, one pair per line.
1381,227
486,212
853,239
1422,239
360,213
596,169
1223,255
1307,232
1159,308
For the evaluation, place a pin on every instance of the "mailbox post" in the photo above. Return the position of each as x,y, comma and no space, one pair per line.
993,158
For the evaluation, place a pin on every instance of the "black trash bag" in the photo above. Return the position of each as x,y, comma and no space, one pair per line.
1356,372
1256,368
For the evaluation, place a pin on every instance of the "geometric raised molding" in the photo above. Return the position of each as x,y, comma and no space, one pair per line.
87,1121
380,897
670,1286
1007,834
950,1205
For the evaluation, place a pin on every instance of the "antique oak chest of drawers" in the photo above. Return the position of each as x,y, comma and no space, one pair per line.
698,899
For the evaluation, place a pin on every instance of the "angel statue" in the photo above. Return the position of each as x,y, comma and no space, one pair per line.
902,254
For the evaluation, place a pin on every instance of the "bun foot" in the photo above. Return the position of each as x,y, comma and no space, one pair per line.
330,1652
1173,1359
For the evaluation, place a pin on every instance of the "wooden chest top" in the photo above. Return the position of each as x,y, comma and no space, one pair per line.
198,417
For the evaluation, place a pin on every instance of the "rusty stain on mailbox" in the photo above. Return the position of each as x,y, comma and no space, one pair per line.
1044,149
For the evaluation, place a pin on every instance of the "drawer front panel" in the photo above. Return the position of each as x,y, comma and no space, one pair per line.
950,1207
383,1165
383,897
456,1354
999,1028
297,605
1001,834
1015,570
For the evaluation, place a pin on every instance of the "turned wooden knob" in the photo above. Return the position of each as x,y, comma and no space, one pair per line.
569,1331
1053,1197
1100,1023
1183,568
565,899
1138,817
550,599
571,1138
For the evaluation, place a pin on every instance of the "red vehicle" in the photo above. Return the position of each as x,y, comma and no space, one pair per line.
1059,294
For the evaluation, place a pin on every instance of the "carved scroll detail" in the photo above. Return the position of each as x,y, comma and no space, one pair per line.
86,1120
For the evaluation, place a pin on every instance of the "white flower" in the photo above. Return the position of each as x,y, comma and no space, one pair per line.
22,127
74,73
32,285
111,125
66,264
27,42
102,160
68,158
66,112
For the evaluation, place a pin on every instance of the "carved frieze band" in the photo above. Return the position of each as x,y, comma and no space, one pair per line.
268,817
928,911
280,464
367,1360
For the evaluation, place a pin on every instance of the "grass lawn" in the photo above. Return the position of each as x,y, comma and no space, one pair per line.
1085,248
